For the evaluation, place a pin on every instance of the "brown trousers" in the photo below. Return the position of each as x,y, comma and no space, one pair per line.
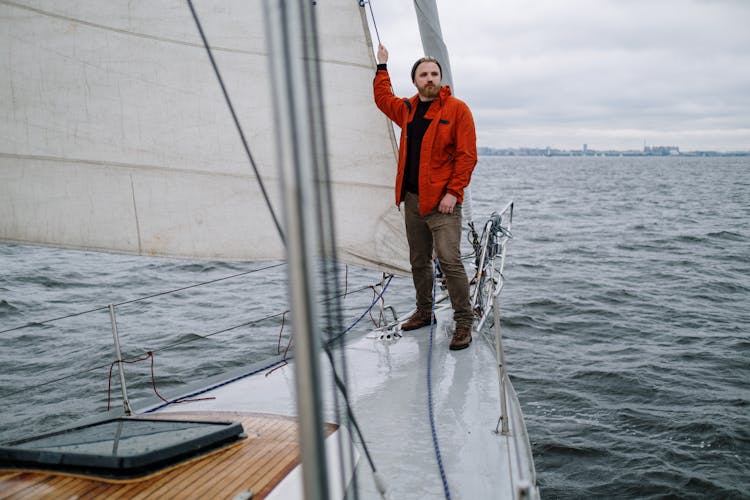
444,231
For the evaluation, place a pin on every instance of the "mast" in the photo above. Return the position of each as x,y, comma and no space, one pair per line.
301,152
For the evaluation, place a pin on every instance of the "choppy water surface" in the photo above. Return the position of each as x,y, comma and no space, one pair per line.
626,314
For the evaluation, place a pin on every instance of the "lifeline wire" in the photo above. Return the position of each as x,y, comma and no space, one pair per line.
66,377
435,444
163,348
138,299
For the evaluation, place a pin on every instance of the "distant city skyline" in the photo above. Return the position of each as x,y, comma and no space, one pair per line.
614,74
586,151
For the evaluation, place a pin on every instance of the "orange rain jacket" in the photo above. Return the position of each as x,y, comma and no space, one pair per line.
449,146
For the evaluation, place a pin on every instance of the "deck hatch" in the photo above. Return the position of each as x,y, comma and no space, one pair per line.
120,447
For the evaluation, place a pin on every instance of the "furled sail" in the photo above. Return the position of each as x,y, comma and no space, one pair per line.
114,133
431,34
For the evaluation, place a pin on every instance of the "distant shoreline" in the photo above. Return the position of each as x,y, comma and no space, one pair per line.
658,152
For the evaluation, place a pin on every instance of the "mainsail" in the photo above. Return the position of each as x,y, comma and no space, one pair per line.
115,136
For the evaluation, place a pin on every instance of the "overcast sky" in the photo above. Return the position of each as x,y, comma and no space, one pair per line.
613,74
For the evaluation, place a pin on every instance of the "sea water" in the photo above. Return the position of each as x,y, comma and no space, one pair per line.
626,319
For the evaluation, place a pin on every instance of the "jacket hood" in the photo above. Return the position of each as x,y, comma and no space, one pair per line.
445,91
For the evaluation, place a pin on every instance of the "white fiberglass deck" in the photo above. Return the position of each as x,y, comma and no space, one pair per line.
387,385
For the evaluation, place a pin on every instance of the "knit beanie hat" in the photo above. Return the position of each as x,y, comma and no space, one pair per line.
425,59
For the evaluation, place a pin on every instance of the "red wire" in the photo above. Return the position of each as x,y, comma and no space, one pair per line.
150,354
278,348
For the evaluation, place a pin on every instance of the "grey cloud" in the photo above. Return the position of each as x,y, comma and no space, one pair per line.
558,70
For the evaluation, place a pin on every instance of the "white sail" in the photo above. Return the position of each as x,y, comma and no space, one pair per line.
114,133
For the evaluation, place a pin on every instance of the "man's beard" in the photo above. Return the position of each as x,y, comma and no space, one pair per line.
429,91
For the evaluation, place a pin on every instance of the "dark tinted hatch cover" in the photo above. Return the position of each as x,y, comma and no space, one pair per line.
121,447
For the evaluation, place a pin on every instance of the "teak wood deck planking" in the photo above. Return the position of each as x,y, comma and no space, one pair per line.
257,463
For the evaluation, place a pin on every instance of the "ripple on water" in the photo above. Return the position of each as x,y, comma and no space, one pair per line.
625,313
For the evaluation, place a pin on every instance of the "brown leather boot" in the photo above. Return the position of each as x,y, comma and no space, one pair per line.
461,338
417,320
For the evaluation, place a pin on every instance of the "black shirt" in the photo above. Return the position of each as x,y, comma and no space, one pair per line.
414,133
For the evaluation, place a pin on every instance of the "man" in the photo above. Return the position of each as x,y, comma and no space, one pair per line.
437,154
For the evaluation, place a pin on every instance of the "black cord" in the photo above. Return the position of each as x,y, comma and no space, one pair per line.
372,15
236,122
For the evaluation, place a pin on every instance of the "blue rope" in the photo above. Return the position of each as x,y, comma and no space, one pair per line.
435,444
385,287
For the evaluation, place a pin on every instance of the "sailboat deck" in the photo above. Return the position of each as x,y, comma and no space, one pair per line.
257,463
387,387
